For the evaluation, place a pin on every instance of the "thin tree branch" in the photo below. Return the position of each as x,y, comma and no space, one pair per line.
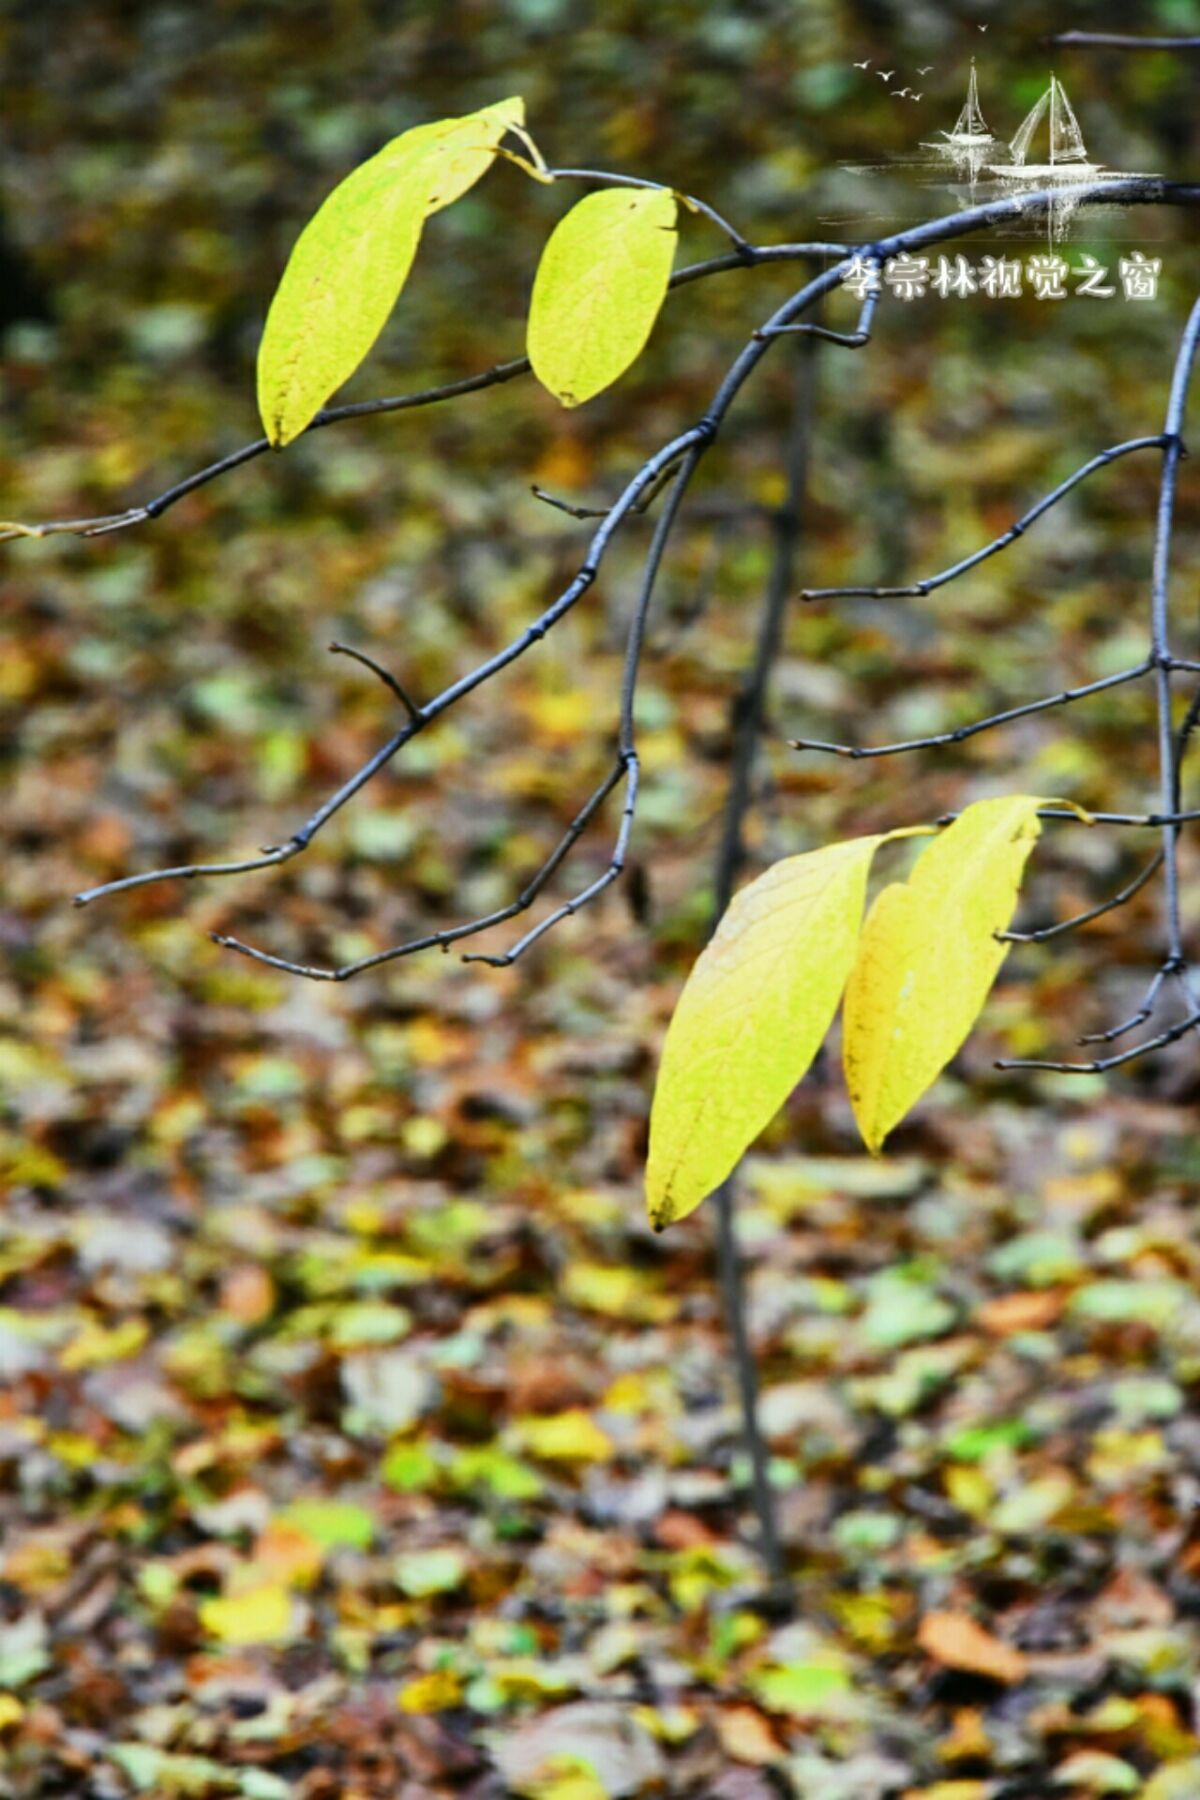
104,523
1115,40
1169,786
1104,1063
443,939
960,733
1135,1019
920,588
449,696
627,733
849,340
389,681
597,512
1045,932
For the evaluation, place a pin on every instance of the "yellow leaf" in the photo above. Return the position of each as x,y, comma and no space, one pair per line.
599,286
436,1692
97,1344
563,1777
259,1615
621,1293
571,1436
928,958
11,1711
751,1018
352,259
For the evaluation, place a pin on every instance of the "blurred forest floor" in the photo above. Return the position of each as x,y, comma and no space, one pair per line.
356,1435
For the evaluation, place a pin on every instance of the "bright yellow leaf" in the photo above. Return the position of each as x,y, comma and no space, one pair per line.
928,957
751,1018
259,1615
571,1436
563,1777
602,278
432,1693
352,259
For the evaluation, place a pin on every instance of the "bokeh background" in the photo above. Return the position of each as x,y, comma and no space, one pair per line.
357,1437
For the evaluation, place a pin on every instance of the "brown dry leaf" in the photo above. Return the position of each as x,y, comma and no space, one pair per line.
247,1293
745,1735
1010,1313
682,1531
956,1641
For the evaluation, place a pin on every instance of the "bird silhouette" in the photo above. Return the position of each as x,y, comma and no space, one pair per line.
983,28
885,74
863,65
901,93
915,96
926,70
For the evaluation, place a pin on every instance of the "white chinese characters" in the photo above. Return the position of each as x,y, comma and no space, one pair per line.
909,277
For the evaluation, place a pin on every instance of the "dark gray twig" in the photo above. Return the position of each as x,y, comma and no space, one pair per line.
960,733
1045,932
849,340
1135,1019
627,742
389,680
598,512
920,588
1171,743
449,696
1104,1063
441,940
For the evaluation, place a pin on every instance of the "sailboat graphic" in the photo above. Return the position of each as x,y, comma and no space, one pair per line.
1068,153
970,130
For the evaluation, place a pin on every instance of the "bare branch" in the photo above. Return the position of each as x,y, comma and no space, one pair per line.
960,733
300,840
628,745
1115,40
920,588
1046,932
598,512
441,940
1105,1063
849,340
407,702
1143,1012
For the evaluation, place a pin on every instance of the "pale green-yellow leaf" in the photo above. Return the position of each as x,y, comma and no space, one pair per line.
599,286
751,1018
928,957
353,257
